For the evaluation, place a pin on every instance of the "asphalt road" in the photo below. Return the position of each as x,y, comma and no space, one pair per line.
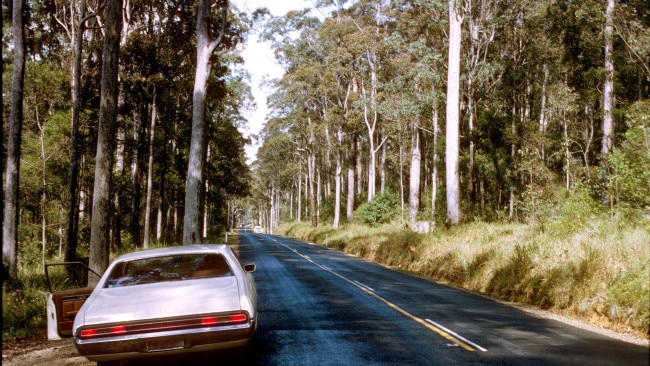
323,307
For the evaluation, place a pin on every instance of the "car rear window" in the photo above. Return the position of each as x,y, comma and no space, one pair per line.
168,268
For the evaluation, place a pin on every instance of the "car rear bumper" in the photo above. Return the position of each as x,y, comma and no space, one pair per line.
166,343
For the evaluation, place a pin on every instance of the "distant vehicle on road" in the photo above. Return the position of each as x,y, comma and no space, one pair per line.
157,302
258,229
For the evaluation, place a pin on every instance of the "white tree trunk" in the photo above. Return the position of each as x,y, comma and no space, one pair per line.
452,143
311,174
382,169
608,89
351,162
414,179
434,171
205,46
299,198
337,179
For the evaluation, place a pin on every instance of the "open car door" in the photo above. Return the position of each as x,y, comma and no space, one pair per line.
67,291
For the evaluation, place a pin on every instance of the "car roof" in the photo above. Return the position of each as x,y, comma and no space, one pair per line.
175,250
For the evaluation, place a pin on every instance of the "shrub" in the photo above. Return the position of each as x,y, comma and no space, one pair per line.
630,163
575,212
381,209
23,306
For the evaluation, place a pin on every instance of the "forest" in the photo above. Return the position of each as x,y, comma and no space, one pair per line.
551,97
428,114
150,139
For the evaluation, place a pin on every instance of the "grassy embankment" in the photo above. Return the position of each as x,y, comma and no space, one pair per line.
599,273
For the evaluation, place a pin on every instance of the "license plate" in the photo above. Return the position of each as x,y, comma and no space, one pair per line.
165,345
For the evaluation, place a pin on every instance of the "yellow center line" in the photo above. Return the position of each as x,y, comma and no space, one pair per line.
422,322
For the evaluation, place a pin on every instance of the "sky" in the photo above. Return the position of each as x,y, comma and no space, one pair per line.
260,63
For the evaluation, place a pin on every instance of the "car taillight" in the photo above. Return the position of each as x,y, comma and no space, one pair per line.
88,333
238,318
118,329
209,321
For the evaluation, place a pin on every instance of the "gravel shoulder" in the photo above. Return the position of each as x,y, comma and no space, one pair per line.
41,352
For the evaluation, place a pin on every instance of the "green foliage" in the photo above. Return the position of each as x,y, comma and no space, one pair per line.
24,303
326,209
630,163
383,208
574,212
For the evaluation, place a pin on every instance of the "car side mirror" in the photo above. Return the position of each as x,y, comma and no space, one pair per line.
249,267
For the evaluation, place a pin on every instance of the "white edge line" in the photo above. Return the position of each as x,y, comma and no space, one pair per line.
364,286
455,334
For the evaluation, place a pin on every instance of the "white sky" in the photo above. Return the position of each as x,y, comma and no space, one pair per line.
260,63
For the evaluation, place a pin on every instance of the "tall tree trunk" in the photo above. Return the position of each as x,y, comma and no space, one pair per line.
293,187
311,172
205,46
4,273
147,211
271,208
41,138
337,179
382,169
72,218
608,91
100,227
10,219
135,222
351,164
299,198
359,165
414,178
567,153
452,143
513,149
401,180
434,169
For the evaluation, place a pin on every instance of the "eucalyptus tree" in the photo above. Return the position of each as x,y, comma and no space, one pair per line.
100,229
608,86
76,32
12,185
453,108
207,41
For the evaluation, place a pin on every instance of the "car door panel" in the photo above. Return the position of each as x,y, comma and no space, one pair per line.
63,305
